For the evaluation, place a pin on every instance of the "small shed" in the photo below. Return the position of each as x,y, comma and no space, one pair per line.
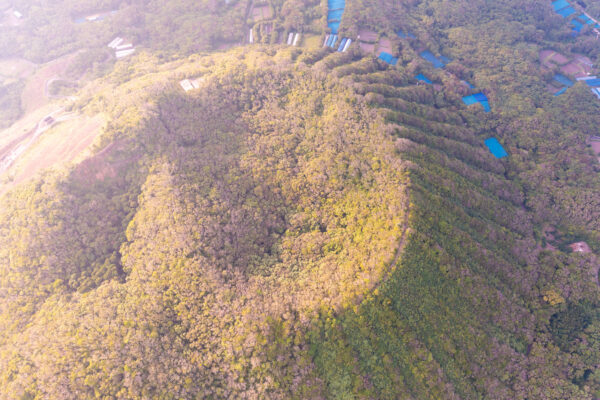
115,42
124,53
186,84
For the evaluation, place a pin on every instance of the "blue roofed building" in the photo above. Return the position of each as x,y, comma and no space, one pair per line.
478,98
427,55
405,34
334,14
587,20
423,78
469,100
560,4
563,80
388,58
593,82
334,39
566,12
561,91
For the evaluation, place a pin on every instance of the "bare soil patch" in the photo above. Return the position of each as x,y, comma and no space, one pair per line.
574,69
559,59
367,36
27,123
33,95
62,144
584,60
367,47
109,163
550,58
579,67
546,58
384,45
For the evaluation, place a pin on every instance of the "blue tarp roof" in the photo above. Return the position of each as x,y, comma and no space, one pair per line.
445,59
334,14
478,98
560,4
578,26
427,55
496,148
565,12
423,78
388,58
563,80
593,82
483,100
585,19
405,35
336,4
561,91
334,26
469,100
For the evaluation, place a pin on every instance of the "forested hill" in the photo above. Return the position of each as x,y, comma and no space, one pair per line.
313,229
312,224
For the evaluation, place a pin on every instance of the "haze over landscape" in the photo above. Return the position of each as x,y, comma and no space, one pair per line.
300,199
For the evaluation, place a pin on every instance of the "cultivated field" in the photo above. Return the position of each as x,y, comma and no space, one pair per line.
384,45
65,142
261,12
549,58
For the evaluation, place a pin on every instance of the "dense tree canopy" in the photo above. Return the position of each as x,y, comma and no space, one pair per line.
308,224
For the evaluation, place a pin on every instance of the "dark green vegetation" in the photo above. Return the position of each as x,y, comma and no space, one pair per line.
308,225
10,103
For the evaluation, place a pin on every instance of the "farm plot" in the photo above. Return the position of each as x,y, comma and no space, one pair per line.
63,143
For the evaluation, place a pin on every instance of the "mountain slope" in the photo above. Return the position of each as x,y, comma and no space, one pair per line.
304,225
